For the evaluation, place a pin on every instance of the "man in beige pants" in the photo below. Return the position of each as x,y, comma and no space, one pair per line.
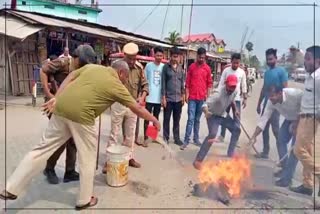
120,114
308,139
84,95
137,85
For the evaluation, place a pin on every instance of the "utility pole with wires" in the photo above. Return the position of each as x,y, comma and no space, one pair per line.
250,35
244,35
189,32
181,20
146,18
164,21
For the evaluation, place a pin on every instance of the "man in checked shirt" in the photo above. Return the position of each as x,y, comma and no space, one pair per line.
173,95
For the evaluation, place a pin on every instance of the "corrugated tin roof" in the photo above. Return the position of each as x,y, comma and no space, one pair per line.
16,28
203,37
91,28
35,18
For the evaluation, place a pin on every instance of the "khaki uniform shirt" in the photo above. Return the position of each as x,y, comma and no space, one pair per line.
58,68
137,82
94,89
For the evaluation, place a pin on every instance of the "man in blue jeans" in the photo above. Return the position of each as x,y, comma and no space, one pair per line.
241,88
287,102
215,111
198,85
276,76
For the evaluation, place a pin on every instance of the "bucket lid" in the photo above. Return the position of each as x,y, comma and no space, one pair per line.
118,149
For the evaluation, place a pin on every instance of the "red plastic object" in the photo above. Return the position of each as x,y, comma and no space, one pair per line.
152,132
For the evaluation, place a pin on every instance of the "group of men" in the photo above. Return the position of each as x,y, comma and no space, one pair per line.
80,91
301,112
160,85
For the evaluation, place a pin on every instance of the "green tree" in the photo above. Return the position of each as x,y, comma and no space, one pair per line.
255,62
174,38
249,46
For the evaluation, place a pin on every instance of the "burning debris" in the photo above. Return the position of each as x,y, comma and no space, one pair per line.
223,179
214,192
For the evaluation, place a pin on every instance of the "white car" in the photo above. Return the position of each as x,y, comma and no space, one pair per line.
299,74
252,74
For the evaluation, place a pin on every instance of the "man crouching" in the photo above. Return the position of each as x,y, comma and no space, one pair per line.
215,111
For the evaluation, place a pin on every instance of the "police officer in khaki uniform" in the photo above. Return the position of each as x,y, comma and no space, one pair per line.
137,85
54,71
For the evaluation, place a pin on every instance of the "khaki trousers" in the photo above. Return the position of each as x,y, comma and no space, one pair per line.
121,114
59,130
308,140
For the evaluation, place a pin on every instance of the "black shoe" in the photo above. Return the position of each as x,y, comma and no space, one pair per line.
283,183
319,192
302,190
178,142
278,173
183,146
197,143
166,141
51,176
71,176
262,156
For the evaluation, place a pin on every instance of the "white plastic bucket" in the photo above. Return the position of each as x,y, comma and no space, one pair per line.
117,165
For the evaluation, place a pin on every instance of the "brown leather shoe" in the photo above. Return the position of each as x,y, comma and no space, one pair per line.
138,143
104,169
134,163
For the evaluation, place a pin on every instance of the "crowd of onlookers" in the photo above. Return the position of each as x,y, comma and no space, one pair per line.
78,91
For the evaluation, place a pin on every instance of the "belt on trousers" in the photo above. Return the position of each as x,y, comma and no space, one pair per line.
310,116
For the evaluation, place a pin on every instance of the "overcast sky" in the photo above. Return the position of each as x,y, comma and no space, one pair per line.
277,27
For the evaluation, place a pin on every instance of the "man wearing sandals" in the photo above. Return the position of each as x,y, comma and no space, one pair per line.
84,95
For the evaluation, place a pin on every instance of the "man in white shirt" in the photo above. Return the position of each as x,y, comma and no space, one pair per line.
152,72
215,111
241,88
307,148
65,53
287,102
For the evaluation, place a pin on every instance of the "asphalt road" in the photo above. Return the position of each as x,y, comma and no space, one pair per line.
160,183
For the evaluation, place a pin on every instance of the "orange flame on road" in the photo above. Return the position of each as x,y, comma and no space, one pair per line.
232,173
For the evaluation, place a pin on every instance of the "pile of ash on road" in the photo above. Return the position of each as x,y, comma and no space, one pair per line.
142,189
252,194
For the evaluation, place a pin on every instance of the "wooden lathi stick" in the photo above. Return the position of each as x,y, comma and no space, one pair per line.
98,150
